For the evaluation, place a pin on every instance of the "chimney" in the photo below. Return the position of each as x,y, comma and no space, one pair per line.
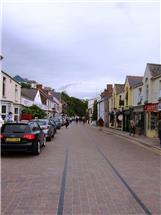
39,86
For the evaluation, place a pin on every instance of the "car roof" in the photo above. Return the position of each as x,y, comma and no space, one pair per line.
16,123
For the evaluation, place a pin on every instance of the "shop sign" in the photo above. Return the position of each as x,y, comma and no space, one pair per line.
151,107
138,109
159,106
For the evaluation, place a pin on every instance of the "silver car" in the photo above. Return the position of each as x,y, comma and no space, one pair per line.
47,127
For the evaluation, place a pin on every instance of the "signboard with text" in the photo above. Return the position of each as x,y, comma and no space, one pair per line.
151,107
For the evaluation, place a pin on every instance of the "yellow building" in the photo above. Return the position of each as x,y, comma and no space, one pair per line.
130,81
115,102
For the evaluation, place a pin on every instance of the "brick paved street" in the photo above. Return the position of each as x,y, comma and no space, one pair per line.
82,171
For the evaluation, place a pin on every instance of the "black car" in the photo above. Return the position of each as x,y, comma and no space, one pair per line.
22,136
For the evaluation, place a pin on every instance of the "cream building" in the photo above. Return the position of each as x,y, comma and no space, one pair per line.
151,98
10,94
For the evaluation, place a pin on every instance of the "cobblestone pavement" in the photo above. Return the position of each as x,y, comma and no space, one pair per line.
82,171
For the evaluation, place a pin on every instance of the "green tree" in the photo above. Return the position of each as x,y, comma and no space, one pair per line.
94,115
35,111
25,85
74,105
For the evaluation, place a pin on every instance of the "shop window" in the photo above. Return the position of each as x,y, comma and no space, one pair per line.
152,120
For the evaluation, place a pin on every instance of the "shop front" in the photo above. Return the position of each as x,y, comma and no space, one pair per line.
119,119
151,119
126,119
159,109
138,114
111,119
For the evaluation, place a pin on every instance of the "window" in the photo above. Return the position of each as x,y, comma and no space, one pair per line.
4,87
147,91
139,95
152,120
16,128
126,96
16,114
16,92
4,111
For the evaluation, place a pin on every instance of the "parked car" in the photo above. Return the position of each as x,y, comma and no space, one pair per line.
53,124
57,122
1,121
47,127
22,136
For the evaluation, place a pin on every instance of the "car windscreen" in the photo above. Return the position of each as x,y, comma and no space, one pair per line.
15,128
42,123
56,119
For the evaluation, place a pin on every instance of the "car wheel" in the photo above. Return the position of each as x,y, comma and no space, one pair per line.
49,138
37,148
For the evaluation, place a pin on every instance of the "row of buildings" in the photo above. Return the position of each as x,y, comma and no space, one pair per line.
14,98
138,98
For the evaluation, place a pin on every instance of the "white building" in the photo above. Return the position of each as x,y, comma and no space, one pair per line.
100,108
10,94
90,108
151,98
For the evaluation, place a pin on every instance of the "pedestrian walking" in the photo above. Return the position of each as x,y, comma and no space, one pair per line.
67,123
132,127
84,119
159,130
9,117
100,123
77,119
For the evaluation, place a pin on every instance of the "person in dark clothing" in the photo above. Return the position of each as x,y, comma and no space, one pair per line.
77,119
67,123
100,123
132,127
159,130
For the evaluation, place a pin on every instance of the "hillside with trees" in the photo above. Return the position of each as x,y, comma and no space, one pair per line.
74,106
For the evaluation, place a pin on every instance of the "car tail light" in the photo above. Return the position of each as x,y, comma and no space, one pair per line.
1,136
29,136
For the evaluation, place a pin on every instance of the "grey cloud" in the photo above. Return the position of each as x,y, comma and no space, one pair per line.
64,49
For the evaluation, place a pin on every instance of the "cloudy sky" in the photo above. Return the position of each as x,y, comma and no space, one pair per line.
79,46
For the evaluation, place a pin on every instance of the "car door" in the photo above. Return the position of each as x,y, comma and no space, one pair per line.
35,131
51,128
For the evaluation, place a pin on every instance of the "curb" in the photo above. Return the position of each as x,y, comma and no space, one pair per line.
156,148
